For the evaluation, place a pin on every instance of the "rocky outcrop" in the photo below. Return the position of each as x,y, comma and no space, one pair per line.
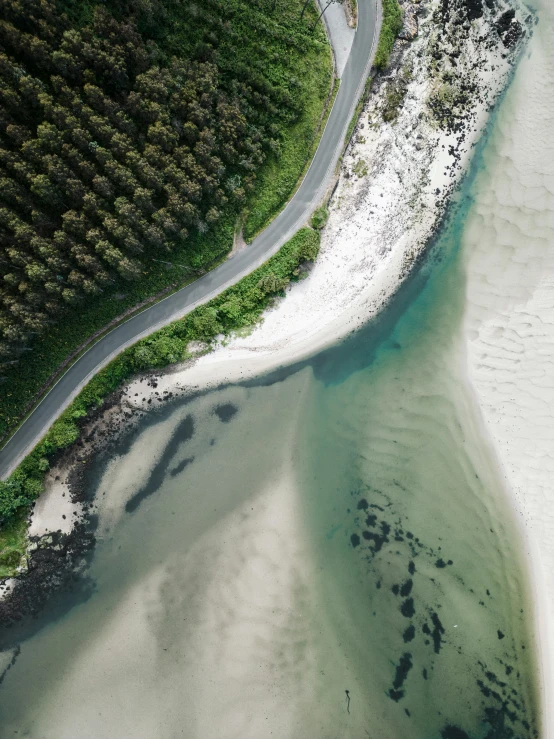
410,24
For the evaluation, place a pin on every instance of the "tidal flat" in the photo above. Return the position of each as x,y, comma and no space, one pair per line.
325,551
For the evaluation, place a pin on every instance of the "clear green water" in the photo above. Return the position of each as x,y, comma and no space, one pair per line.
326,552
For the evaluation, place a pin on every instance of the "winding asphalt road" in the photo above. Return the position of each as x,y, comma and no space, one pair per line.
282,228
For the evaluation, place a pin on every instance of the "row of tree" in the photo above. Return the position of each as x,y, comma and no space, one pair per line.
110,152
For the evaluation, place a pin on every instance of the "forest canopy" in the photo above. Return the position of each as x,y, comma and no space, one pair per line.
124,135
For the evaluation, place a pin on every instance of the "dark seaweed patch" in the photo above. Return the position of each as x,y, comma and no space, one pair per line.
437,632
499,710
377,540
181,466
453,732
183,432
406,588
407,608
225,411
402,670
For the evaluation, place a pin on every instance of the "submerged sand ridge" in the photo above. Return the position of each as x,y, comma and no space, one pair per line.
210,612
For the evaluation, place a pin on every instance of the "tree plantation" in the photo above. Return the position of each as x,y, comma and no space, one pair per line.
114,152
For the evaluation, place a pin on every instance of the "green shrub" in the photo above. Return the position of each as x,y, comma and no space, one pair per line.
158,352
13,541
309,248
360,168
12,495
319,218
63,433
272,284
231,309
10,559
390,28
204,322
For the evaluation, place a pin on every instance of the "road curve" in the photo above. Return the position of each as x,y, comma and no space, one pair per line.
280,230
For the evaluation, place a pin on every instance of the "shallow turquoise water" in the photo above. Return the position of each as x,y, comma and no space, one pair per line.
324,552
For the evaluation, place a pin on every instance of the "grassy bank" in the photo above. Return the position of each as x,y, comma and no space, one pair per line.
308,59
390,28
279,175
238,307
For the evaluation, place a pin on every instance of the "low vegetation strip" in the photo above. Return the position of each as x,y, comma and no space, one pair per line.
238,308
390,28
82,232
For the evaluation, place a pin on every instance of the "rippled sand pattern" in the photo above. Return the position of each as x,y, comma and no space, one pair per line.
437,584
509,324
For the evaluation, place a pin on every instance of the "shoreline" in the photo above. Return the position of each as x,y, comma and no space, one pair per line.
282,228
363,260
509,324
360,268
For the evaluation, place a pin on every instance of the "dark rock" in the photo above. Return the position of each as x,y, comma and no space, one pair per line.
225,412
453,732
407,608
406,588
410,24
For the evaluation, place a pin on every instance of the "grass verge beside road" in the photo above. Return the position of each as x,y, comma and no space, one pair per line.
280,176
390,28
